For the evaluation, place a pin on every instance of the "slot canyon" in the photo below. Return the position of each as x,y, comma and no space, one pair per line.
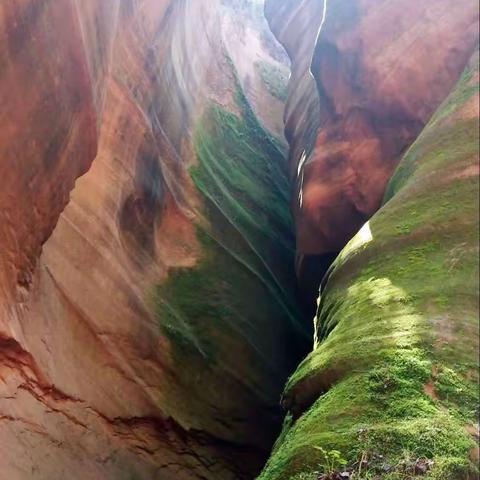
239,239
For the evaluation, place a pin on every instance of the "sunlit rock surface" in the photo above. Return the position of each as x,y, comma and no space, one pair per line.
151,336
381,69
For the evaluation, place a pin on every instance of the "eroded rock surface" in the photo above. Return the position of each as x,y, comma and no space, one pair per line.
151,336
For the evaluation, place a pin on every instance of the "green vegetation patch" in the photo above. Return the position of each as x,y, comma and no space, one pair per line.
275,78
232,320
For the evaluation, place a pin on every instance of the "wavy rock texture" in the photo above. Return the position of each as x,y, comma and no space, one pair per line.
392,382
381,69
152,335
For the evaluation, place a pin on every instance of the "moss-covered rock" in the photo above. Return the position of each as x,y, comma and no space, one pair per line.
393,382
232,319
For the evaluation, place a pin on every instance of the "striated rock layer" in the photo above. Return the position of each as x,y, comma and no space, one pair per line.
381,69
151,336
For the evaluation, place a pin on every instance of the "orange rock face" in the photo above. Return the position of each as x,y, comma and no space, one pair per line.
381,69
48,136
91,385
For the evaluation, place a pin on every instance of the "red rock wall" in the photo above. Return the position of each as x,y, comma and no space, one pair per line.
90,387
49,117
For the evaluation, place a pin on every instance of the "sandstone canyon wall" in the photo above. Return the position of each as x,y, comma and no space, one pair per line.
149,263
148,318
392,382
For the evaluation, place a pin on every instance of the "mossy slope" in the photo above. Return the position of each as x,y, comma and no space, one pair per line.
393,378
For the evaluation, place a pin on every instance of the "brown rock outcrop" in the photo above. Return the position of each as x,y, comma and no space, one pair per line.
48,136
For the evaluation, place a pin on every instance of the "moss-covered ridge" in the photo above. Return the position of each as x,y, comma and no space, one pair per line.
232,320
393,380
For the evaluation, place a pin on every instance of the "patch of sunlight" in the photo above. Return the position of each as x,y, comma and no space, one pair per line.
300,171
324,16
396,318
366,321
362,238
316,339
301,162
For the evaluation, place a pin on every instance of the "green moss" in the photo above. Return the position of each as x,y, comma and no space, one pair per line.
196,303
457,391
395,423
306,476
232,320
242,174
454,468
393,377
275,79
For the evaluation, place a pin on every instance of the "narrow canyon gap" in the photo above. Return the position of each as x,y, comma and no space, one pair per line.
179,180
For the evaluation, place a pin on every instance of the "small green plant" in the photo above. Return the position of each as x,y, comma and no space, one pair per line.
332,461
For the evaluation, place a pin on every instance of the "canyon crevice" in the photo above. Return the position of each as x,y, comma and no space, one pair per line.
179,179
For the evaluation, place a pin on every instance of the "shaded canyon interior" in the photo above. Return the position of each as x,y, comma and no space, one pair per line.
239,239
